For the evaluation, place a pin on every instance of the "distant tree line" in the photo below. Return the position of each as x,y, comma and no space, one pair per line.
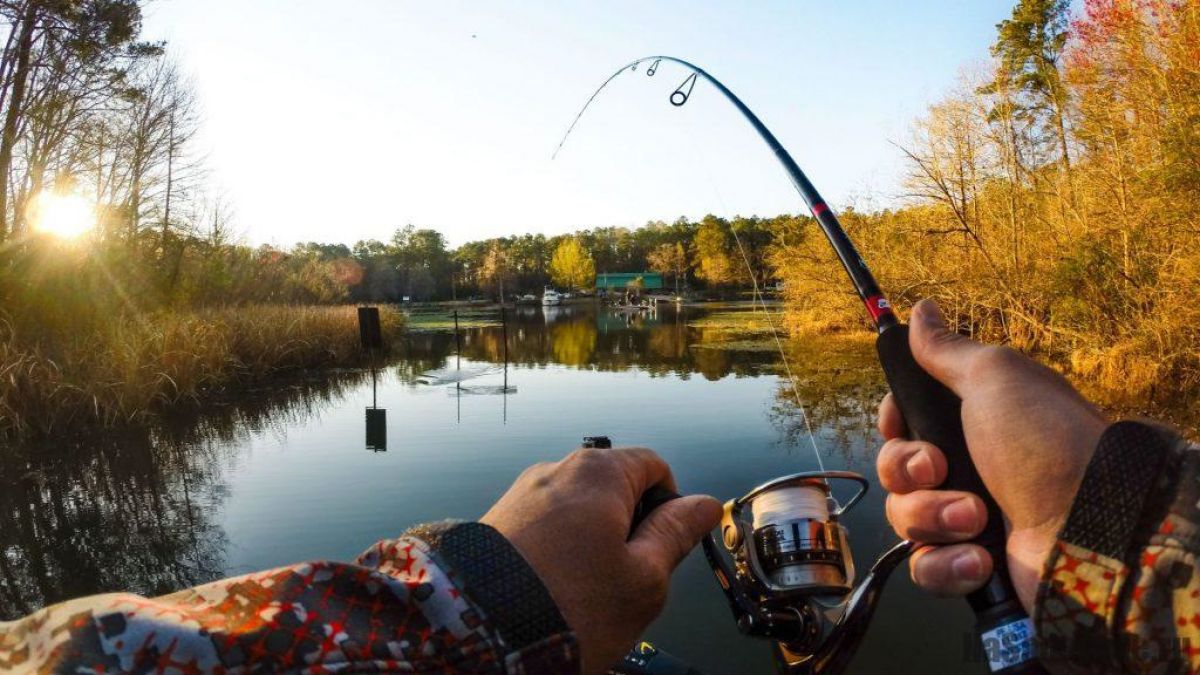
418,263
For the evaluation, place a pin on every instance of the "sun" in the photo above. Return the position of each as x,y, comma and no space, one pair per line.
68,216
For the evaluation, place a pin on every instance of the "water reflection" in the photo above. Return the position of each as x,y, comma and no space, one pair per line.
838,384
376,436
135,511
660,342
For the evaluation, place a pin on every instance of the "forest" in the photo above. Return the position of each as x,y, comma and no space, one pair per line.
1051,202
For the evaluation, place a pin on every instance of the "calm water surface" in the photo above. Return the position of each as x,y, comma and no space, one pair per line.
286,475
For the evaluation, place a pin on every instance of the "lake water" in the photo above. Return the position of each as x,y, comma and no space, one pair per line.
285,475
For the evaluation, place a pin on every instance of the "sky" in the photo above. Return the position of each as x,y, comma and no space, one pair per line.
341,121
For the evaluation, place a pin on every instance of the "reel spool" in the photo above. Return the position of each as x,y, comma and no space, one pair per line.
795,544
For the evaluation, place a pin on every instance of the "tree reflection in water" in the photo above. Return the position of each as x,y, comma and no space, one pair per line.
661,342
839,381
837,377
136,511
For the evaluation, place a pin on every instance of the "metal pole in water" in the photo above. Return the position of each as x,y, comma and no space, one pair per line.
457,344
504,333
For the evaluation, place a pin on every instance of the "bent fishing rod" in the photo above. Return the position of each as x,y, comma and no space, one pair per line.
791,579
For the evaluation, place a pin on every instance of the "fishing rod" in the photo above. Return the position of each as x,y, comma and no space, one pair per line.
788,573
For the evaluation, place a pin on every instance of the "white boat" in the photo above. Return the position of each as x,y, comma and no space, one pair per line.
550,297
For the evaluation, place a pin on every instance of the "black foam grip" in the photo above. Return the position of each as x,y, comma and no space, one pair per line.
932,413
651,499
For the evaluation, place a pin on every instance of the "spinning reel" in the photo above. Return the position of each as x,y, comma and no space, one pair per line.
788,572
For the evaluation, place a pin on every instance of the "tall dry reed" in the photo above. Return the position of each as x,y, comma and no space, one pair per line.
107,370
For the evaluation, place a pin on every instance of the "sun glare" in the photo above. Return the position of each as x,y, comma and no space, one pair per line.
63,215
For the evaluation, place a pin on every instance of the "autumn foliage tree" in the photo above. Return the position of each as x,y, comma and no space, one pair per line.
670,259
572,266
713,254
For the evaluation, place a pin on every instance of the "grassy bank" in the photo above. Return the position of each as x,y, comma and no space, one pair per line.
104,370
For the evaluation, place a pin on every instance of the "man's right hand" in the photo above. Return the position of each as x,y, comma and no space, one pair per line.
1030,435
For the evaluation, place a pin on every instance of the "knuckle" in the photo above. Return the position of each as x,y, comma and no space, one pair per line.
907,516
887,465
892,454
644,453
918,567
636,459
585,456
995,359
538,475
886,451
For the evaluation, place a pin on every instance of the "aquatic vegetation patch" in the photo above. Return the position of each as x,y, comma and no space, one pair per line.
741,320
443,320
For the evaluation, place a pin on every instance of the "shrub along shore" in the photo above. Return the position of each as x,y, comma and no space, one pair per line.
111,370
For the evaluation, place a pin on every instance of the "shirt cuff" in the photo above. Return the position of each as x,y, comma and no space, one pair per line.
1125,493
497,581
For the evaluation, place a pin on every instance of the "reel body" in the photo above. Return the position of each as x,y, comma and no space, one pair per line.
788,573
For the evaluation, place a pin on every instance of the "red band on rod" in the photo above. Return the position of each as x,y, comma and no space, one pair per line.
878,306
819,208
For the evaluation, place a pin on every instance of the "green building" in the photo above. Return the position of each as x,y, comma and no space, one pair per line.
619,281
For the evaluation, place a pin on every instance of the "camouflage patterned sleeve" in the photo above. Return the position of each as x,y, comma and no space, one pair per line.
1120,592
451,597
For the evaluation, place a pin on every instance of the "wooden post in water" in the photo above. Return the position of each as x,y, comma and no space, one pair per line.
369,331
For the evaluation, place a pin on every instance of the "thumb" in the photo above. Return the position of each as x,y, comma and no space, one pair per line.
943,353
666,536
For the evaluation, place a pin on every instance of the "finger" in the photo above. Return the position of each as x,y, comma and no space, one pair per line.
936,516
644,469
951,570
943,353
891,422
905,466
664,538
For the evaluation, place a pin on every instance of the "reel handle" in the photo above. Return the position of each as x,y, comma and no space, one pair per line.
933,413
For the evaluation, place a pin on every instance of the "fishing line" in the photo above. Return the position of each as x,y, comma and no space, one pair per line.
757,296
